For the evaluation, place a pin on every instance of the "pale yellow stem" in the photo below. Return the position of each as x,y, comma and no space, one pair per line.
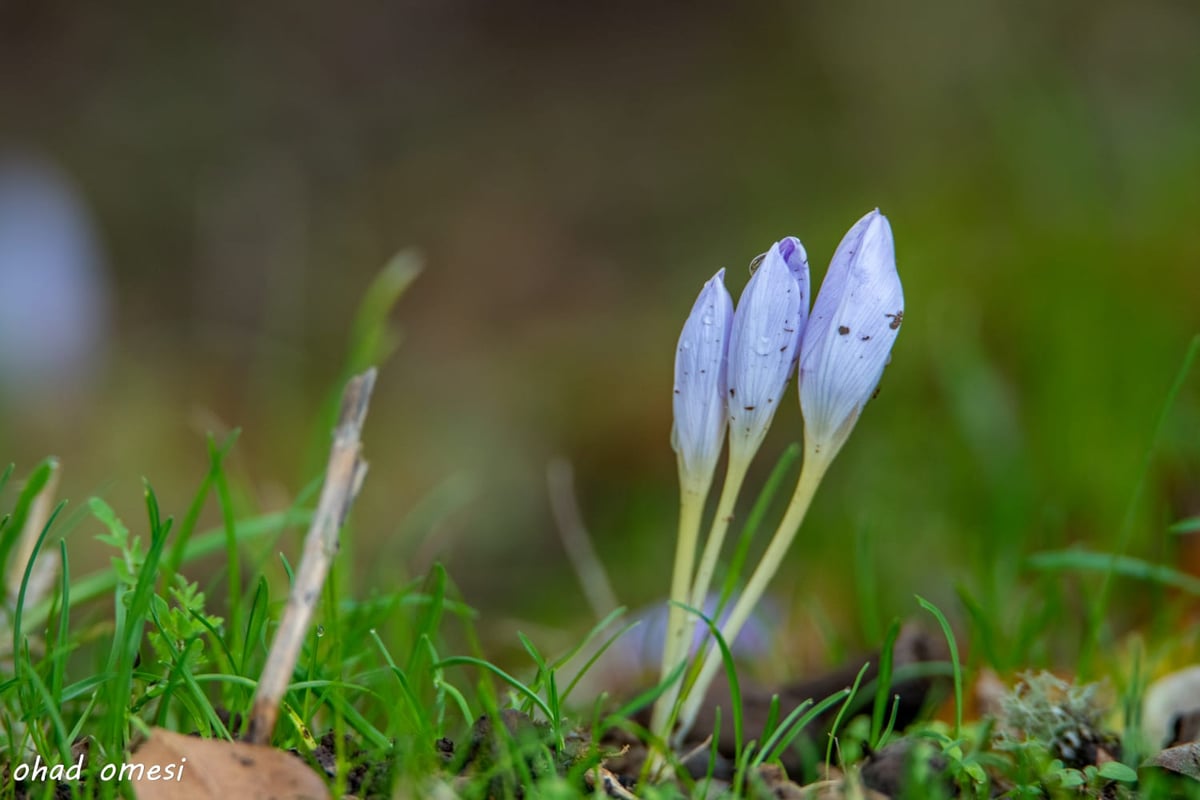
735,476
816,462
691,510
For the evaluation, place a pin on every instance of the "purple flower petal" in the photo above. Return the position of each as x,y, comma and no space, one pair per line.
764,342
700,381
849,339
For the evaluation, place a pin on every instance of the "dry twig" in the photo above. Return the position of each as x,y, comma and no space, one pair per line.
343,478
560,478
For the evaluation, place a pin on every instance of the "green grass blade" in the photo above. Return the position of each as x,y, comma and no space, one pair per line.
596,657
762,504
735,689
256,622
211,541
539,662
799,719
891,724
885,682
837,720
865,583
1098,607
958,682
772,718
62,641
646,697
415,708
128,636
5,475
11,526
18,612
429,622
372,339
50,709
187,525
521,688
774,735
1189,525
233,569
982,626
1124,566
596,630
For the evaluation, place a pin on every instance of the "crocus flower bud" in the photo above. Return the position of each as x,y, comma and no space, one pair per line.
849,338
764,343
700,364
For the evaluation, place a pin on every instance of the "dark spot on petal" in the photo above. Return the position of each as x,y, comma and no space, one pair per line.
748,408
843,330
896,318
875,393
676,391
865,338
732,391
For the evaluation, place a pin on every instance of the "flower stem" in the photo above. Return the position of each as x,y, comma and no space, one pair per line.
691,510
735,476
816,462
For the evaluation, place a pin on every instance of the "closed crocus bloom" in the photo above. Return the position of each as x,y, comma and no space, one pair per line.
844,348
700,365
764,343
849,339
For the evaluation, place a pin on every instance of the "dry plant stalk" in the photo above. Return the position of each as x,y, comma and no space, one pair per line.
560,479
343,478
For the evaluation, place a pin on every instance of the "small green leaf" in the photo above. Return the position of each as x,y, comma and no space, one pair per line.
1191,525
1072,778
1116,771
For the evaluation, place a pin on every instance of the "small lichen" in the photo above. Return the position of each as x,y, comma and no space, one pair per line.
1064,717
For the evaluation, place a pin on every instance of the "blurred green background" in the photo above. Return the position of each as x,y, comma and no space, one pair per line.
572,173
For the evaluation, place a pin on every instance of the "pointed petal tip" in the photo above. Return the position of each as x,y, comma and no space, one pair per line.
792,252
874,217
874,233
791,248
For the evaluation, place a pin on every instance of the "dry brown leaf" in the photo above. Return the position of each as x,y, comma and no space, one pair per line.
213,769
1181,760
